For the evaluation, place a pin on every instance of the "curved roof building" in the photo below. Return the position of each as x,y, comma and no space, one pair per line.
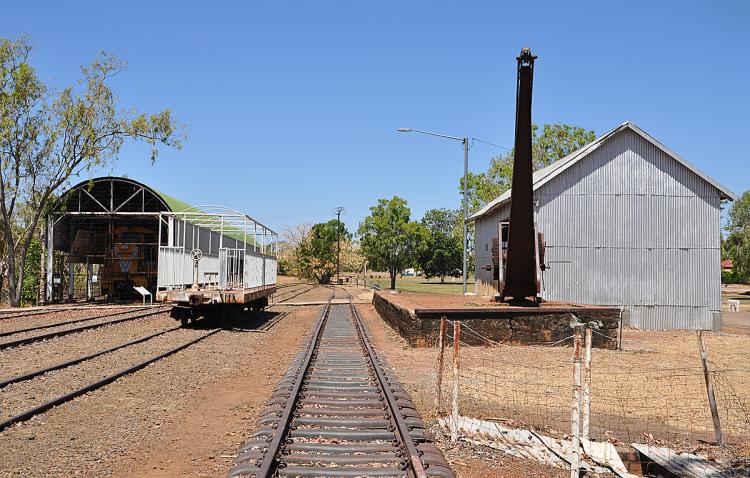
104,238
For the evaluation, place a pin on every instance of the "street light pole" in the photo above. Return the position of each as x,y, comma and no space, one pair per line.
465,143
466,206
338,243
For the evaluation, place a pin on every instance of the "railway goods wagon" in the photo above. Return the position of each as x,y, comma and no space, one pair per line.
214,260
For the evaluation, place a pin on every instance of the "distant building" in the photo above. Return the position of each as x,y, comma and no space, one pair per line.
727,265
627,222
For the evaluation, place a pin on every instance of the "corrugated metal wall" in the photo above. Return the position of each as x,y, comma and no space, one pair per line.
630,226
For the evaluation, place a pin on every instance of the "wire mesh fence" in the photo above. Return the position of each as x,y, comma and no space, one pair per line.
631,400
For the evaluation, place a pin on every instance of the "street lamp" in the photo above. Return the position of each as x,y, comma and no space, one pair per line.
465,142
339,210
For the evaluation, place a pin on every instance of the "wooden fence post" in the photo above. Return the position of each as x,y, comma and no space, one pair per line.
456,349
441,363
575,409
587,386
710,389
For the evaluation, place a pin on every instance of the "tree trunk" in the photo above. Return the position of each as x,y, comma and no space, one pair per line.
442,279
3,276
13,298
40,295
393,279
21,272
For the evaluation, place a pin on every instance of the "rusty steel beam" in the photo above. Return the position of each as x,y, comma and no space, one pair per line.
520,273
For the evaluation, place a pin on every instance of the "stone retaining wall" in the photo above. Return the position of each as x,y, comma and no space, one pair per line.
514,325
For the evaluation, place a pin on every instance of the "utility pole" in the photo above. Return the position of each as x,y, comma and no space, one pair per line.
339,210
465,142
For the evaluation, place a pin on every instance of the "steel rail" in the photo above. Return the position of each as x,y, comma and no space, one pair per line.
401,428
293,295
68,322
28,314
22,312
266,326
286,289
268,462
301,287
59,333
336,389
98,384
42,371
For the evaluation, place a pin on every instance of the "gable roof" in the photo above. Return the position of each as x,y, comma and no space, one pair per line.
547,173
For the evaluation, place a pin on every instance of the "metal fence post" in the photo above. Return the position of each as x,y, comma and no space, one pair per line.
441,363
710,389
587,386
456,349
575,409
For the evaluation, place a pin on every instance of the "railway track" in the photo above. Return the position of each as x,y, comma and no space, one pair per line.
338,413
23,313
65,397
288,295
58,400
20,315
68,322
17,342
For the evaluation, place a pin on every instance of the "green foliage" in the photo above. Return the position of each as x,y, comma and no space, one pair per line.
731,277
30,290
316,255
441,252
557,141
736,246
389,239
47,137
554,142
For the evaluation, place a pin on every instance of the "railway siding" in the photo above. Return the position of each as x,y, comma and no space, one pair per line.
29,335
338,413
21,396
19,360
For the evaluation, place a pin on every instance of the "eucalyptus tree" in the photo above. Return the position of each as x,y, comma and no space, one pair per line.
389,239
441,253
736,246
554,142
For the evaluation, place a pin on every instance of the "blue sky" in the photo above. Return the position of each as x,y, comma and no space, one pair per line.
292,107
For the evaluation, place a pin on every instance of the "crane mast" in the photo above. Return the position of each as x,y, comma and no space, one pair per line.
521,277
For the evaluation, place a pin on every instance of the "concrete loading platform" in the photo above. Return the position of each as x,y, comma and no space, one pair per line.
416,317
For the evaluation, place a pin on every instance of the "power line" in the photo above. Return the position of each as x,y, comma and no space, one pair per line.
491,144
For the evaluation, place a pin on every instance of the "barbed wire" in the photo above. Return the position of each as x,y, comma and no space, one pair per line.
631,401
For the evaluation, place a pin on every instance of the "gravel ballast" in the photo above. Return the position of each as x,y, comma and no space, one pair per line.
17,360
15,323
120,318
185,415
21,396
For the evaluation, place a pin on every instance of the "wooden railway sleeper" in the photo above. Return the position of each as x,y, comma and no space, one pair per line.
337,422
341,448
316,472
353,408
343,460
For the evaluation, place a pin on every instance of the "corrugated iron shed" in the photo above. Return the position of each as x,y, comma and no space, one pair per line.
627,223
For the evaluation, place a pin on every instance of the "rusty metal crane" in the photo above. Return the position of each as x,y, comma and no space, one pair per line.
521,278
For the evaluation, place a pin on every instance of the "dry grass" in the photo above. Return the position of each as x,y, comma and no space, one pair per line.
653,389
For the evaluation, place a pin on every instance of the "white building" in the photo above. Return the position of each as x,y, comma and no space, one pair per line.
627,222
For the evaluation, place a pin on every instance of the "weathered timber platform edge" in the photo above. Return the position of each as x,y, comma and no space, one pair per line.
512,325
